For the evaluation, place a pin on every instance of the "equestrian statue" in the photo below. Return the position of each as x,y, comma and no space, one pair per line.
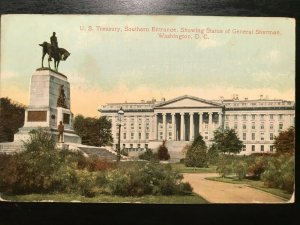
54,52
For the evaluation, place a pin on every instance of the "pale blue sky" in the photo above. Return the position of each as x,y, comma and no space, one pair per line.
114,67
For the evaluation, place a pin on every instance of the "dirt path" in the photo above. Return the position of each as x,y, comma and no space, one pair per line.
220,192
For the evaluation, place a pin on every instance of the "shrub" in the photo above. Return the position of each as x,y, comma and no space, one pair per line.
148,155
257,166
280,172
162,152
240,169
212,155
147,178
196,155
98,164
224,165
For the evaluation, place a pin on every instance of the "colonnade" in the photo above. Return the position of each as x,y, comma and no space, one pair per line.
185,126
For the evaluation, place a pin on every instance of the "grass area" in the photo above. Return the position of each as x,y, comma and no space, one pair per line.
254,184
183,169
173,199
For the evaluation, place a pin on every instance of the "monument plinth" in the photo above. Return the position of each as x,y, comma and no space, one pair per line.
49,104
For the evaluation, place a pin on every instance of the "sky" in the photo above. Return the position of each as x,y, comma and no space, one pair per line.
110,66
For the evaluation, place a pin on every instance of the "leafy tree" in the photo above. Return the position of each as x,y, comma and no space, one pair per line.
285,141
227,141
162,152
196,155
93,131
11,118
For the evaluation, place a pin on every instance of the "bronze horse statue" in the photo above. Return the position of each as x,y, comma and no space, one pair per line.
57,54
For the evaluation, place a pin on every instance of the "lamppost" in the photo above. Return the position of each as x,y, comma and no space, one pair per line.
120,116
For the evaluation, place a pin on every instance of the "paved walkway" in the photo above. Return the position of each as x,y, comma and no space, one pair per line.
220,192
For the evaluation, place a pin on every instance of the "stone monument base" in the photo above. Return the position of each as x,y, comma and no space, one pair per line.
69,135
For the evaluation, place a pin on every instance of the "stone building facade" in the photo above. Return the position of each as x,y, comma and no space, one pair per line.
180,120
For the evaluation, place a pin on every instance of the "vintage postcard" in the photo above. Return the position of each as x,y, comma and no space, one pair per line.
147,109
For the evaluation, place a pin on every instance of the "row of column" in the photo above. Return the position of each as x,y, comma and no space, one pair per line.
182,124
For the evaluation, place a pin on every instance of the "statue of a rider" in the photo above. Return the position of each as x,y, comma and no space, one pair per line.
54,47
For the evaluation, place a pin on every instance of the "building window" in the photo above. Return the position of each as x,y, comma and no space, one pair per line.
280,126
132,126
253,136
146,146
253,148
227,126
139,145
244,117
235,117
253,117
124,136
206,137
170,135
271,148
280,116
132,135
244,148
262,126
244,126
253,126
271,116
124,146
160,126
160,135
140,135
271,126
262,148
147,136
235,126
262,136
262,116
271,136
244,136
131,146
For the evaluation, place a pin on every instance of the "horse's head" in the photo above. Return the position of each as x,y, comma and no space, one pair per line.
66,55
44,44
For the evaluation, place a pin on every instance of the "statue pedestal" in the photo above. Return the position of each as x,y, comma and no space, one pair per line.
45,88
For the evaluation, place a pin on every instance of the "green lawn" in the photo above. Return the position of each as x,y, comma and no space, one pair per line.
186,199
254,184
183,169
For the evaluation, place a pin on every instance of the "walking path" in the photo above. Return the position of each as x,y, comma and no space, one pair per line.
220,192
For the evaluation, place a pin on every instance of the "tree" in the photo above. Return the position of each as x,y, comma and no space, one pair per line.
11,118
93,131
162,152
227,141
197,154
213,154
285,141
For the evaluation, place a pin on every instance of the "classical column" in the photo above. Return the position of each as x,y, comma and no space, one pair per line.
182,138
200,122
164,119
210,121
155,126
191,127
173,127
220,119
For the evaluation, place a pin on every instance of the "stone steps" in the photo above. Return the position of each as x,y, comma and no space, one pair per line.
175,149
